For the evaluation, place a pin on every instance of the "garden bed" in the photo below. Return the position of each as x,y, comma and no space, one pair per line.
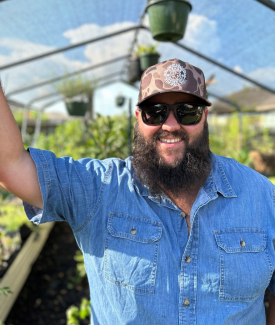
50,288
19,266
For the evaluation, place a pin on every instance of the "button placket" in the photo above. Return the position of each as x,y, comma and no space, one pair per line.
188,259
183,214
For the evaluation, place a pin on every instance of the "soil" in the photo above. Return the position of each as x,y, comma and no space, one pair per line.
49,290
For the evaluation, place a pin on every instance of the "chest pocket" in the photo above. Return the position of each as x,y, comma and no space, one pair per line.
131,252
245,265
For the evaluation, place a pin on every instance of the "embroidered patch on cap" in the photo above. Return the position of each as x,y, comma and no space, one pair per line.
175,75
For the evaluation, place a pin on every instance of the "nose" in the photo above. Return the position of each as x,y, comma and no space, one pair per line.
171,124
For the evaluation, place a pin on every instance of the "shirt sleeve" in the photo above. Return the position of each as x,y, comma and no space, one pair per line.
70,189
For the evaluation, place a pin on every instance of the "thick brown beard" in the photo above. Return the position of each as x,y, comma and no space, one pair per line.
187,175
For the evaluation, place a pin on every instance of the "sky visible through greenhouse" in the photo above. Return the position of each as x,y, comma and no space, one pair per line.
237,34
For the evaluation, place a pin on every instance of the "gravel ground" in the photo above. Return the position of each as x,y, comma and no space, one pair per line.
48,291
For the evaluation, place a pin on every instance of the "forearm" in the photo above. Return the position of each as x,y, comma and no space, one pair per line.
271,311
11,148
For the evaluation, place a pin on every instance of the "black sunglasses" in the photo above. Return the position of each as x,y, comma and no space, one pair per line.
185,114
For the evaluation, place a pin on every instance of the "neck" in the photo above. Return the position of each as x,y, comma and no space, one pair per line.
184,200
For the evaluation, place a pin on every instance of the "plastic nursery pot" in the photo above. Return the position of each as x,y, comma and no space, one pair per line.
120,100
147,60
134,71
77,108
168,19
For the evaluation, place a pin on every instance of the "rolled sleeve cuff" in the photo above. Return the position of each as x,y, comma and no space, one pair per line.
34,214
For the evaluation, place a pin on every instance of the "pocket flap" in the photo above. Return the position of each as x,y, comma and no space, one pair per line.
137,229
241,240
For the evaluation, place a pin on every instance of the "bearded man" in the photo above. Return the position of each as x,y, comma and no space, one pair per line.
173,235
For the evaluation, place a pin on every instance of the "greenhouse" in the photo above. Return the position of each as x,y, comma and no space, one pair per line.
71,71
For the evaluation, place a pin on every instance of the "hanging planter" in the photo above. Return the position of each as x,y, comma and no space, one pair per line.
168,19
134,72
75,108
78,94
148,55
120,100
147,60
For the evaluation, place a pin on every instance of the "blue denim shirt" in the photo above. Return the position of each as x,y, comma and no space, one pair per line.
142,266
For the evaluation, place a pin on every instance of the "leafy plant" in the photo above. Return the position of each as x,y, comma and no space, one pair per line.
146,49
12,216
80,270
32,114
5,291
227,139
74,313
101,138
76,88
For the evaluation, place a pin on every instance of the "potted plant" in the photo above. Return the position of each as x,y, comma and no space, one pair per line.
168,19
78,93
133,70
120,100
148,55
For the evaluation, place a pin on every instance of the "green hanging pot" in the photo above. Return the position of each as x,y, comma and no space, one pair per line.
168,19
147,60
134,72
77,108
120,100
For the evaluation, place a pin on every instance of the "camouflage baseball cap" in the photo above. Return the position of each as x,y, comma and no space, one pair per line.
173,75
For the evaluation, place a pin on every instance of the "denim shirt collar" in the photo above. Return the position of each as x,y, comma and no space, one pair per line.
217,182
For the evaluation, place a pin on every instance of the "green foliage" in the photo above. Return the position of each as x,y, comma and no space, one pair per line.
79,87
80,271
146,49
102,138
226,139
74,313
80,264
5,291
12,216
32,114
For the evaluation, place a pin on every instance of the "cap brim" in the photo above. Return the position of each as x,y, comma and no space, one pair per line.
205,101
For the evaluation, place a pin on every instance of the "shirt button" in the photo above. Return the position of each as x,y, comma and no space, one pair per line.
243,243
186,303
183,214
133,231
188,259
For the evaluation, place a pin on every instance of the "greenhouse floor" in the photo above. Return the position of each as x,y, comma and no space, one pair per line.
49,290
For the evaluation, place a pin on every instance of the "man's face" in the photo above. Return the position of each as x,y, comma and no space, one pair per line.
171,153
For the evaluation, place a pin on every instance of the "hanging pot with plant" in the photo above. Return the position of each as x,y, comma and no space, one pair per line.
76,108
120,100
78,93
134,72
148,55
168,19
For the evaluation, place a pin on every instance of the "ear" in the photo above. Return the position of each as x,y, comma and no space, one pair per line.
136,112
206,112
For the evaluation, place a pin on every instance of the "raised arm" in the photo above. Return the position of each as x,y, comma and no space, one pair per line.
17,169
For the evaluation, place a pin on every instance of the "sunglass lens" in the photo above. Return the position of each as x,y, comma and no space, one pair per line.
189,114
154,115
